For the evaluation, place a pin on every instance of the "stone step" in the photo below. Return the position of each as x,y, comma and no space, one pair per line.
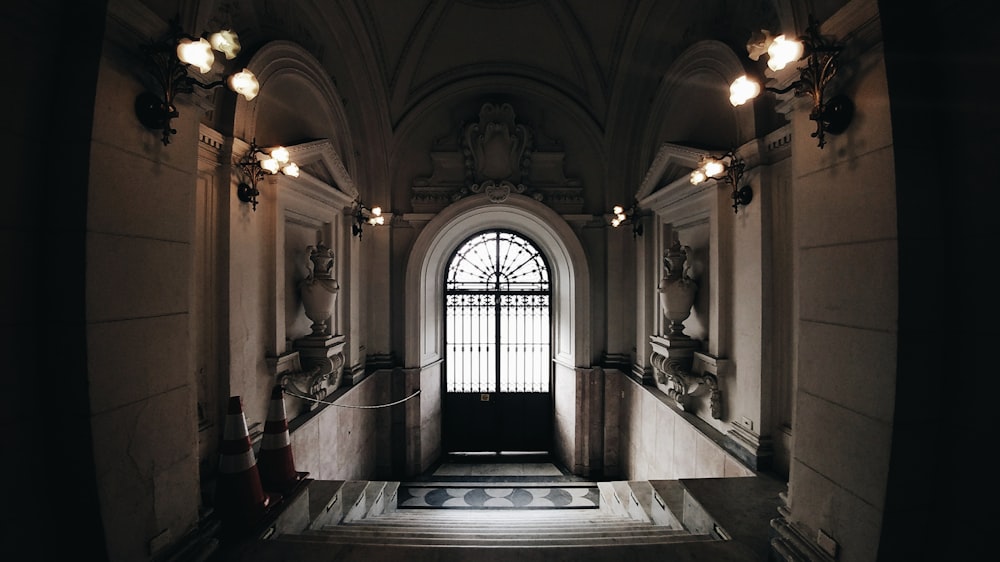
512,527
497,542
473,522
393,532
525,516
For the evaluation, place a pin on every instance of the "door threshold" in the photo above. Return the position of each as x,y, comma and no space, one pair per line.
498,456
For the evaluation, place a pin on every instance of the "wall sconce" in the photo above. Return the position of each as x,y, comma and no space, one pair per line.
372,216
621,216
167,62
255,163
729,168
831,116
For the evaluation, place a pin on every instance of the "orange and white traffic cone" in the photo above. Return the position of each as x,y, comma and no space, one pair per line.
239,495
277,468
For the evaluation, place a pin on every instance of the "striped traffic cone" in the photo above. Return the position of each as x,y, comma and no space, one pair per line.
277,469
239,496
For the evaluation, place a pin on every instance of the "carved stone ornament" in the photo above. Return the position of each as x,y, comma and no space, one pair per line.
300,382
497,156
323,359
319,289
497,148
677,290
673,374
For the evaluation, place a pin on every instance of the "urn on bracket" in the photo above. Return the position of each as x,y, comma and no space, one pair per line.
677,290
319,289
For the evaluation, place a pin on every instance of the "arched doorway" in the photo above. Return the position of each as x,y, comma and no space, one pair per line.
497,346
425,306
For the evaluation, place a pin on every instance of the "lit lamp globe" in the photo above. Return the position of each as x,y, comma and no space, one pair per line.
244,83
196,53
226,42
743,89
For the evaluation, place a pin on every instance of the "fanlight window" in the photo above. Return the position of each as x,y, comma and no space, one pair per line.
497,316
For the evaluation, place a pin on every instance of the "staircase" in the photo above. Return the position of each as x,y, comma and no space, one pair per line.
366,521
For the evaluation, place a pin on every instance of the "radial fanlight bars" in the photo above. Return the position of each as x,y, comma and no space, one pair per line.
167,62
831,115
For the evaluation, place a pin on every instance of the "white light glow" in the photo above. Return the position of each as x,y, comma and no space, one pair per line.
698,176
196,53
245,84
280,154
270,165
226,42
743,89
783,51
714,168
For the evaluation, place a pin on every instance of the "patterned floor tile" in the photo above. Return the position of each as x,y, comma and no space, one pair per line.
502,497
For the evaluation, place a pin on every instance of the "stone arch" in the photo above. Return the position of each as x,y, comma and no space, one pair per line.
424,290
692,107
290,79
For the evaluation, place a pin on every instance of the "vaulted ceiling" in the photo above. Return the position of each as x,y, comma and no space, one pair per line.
588,75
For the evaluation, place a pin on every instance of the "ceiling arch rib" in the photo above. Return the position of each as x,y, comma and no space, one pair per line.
457,40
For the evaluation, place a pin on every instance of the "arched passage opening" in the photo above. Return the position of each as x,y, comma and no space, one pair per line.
425,309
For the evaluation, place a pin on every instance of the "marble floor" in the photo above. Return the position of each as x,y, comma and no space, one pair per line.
485,470
491,482
498,469
493,497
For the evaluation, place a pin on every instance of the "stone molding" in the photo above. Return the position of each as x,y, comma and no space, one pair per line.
496,156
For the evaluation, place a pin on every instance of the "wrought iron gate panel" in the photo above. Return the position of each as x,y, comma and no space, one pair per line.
497,346
497,316
524,337
471,342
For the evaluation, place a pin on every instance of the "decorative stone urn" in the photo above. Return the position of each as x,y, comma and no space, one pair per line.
677,290
319,289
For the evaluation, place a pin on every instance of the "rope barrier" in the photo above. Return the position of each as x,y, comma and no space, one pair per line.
311,399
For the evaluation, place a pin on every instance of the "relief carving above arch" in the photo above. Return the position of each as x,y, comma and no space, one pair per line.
495,155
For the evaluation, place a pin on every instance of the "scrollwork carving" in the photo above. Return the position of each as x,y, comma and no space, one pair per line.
311,382
681,385
496,153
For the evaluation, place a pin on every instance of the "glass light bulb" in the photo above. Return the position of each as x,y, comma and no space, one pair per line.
783,51
758,44
615,222
743,89
227,42
196,53
270,165
291,170
245,84
376,211
714,168
617,210
698,176
280,154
